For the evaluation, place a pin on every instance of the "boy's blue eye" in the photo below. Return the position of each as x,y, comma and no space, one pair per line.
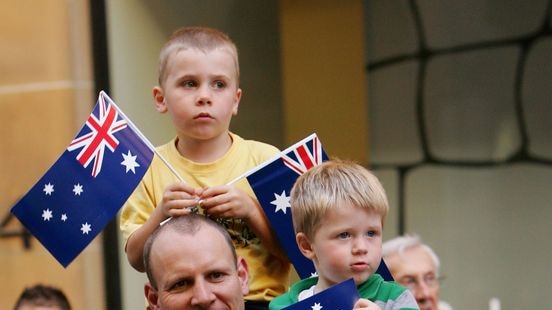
344,235
371,233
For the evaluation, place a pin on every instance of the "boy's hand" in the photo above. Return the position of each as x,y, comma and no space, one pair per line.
226,201
178,199
231,202
365,304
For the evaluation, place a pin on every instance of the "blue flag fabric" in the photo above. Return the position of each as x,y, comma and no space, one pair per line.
272,184
339,296
85,188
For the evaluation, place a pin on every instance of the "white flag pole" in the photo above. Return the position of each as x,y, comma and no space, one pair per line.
139,133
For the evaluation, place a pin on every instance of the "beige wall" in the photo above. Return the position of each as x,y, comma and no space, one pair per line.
45,91
323,75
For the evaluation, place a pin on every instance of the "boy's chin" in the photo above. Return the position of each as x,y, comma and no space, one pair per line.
360,278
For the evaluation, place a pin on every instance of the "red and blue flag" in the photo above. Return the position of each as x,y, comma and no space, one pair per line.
85,188
272,183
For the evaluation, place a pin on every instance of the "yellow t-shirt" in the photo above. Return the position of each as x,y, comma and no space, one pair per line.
269,276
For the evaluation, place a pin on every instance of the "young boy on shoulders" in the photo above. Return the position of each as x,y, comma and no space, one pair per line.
199,89
338,209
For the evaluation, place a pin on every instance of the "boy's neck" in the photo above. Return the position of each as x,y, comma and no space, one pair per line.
204,151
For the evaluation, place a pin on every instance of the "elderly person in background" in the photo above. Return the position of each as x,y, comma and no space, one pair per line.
416,266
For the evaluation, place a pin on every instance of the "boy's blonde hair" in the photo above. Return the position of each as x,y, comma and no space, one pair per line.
328,186
201,38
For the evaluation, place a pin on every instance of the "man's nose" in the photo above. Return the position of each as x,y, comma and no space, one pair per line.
202,294
422,290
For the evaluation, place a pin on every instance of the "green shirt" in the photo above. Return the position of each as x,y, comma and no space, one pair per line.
387,295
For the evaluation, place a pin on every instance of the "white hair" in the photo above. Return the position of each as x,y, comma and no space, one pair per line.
402,243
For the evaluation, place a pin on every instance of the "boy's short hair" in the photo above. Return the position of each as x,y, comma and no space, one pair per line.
328,186
201,38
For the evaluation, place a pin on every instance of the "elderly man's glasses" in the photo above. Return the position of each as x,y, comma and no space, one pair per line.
412,283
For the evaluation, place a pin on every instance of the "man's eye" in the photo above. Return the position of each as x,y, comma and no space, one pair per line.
216,276
409,282
181,284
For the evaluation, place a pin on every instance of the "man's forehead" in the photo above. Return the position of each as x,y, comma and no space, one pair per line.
412,261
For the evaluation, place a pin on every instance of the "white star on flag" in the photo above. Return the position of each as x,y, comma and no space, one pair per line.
77,189
316,306
85,228
64,217
130,162
48,189
47,214
281,202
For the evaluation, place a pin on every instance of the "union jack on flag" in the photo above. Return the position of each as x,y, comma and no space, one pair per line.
101,135
305,155
69,205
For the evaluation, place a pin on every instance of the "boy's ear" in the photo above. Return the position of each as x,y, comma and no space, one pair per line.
304,245
159,100
237,101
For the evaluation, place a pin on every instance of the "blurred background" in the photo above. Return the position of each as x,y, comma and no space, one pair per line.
447,101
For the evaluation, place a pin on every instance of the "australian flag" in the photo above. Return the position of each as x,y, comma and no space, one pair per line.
85,188
343,295
272,184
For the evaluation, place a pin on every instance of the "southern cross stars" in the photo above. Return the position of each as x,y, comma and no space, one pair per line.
130,162
48,189
47,214
77,189
281,202
316,306
86,228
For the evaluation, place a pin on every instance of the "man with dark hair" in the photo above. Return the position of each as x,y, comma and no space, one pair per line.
42,297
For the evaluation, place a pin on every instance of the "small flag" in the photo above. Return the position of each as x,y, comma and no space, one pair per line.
272,183
339,296
85,188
